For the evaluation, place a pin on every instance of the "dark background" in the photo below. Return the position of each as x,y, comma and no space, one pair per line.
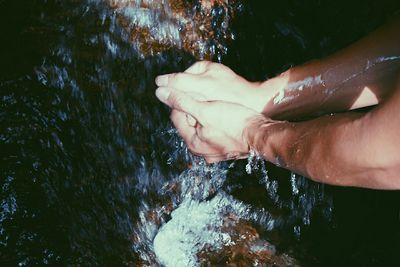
65,147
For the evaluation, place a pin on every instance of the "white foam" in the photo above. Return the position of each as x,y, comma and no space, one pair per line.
194,225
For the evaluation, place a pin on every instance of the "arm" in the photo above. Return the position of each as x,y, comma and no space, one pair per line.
350,149
358,76
353,149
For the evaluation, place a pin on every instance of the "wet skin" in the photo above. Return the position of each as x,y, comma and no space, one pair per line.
232,115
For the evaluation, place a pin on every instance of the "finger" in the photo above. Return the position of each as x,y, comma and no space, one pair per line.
199,67
230,156
181,81
189,135
195,95
202,148
181,101
179,120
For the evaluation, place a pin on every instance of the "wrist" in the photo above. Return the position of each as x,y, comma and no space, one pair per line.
267,91
259,132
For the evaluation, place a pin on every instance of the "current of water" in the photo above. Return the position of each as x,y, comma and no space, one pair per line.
93,173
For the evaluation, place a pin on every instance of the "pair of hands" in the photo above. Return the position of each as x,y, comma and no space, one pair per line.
211,109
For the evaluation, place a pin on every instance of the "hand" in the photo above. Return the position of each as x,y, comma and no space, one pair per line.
218,130
209,81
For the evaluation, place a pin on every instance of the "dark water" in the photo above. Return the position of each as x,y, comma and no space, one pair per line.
89,161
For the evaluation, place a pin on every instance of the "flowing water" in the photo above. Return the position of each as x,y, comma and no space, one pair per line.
93,173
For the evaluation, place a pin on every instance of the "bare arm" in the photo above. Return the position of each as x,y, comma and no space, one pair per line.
358,76
350,149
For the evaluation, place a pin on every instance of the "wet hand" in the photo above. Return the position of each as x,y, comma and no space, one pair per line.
212,81
217,131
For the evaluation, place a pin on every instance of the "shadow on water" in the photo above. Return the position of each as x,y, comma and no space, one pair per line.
87,151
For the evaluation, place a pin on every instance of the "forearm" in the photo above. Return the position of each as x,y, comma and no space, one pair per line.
335,149
358,76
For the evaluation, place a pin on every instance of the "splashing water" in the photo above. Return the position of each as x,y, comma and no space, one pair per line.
196,201
200,28
109,164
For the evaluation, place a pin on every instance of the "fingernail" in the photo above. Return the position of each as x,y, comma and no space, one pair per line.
191,121
162,80
163,94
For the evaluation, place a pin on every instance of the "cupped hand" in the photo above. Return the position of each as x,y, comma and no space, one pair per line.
217,133
214,82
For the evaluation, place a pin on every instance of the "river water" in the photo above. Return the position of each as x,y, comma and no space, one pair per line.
93,173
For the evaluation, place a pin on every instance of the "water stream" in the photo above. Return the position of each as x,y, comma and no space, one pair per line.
94,174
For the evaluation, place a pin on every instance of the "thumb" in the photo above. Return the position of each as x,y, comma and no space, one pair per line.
180,101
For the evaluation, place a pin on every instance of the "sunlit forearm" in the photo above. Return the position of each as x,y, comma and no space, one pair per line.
331,149
358,76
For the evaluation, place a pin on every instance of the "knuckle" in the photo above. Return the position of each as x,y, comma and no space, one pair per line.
202,65
213,66
171,79
199,63
179,101
206,64
175,99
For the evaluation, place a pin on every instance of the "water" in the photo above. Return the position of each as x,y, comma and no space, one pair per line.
93,174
